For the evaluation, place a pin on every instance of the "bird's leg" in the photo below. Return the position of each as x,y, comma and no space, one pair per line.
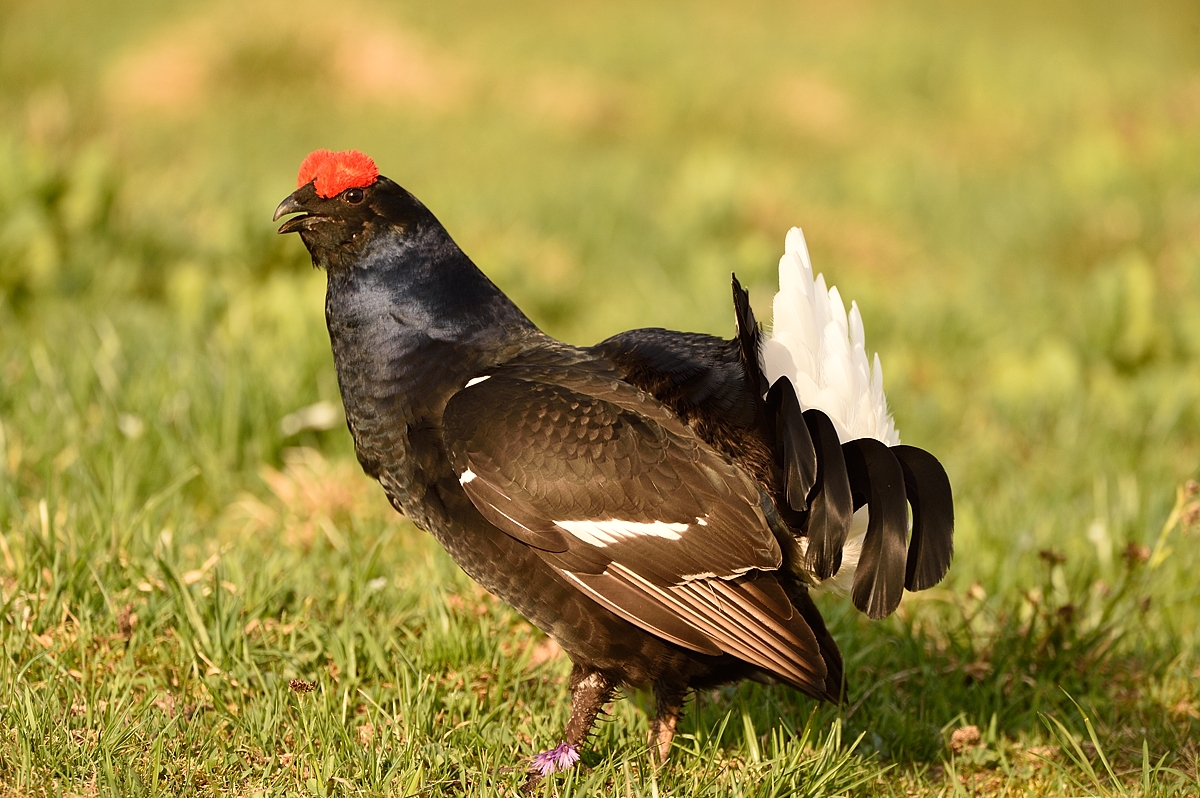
669,700
590,691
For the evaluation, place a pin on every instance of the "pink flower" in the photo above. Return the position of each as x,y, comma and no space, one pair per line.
556,759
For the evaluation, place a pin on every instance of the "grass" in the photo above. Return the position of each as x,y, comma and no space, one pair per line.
201,594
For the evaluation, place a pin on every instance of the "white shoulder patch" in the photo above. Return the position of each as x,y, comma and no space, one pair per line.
477,380
466,477
604,533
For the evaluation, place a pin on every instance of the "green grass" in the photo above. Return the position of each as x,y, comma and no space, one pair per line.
1011,193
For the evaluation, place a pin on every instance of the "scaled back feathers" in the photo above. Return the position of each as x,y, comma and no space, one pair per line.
334,172
821,349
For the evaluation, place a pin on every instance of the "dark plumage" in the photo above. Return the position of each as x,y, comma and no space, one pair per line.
650,502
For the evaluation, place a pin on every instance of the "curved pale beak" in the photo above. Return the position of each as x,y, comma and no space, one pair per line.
297,223
289,205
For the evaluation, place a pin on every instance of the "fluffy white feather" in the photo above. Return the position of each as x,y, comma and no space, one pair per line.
822,349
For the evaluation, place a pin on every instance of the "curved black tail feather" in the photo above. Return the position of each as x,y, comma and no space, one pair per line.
794,451
831,505
877,479
929,493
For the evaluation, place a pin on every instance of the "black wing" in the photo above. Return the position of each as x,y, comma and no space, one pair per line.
627,503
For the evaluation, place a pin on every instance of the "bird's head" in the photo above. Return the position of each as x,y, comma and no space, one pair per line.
345,204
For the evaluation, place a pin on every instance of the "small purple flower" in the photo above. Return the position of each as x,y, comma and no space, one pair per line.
555,759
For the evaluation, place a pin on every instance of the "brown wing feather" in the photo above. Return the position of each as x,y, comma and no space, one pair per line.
736,617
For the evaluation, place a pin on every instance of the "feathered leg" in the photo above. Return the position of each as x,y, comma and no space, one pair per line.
590,691
669,699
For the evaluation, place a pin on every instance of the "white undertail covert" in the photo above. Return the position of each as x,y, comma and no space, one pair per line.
821,348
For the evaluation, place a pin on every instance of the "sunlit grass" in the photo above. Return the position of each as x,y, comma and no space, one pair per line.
199,597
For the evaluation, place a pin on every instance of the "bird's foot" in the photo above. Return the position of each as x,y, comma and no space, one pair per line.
590,691
559,758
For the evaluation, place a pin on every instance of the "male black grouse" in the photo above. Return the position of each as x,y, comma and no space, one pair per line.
662,503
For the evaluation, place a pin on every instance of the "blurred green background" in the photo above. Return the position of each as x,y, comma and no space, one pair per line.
1010,191
1012,194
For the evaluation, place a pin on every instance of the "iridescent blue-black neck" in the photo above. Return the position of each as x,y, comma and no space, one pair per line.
410,319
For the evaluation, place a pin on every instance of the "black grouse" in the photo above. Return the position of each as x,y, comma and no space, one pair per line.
662,503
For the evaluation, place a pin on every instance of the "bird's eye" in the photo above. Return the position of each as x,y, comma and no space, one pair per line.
353,195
